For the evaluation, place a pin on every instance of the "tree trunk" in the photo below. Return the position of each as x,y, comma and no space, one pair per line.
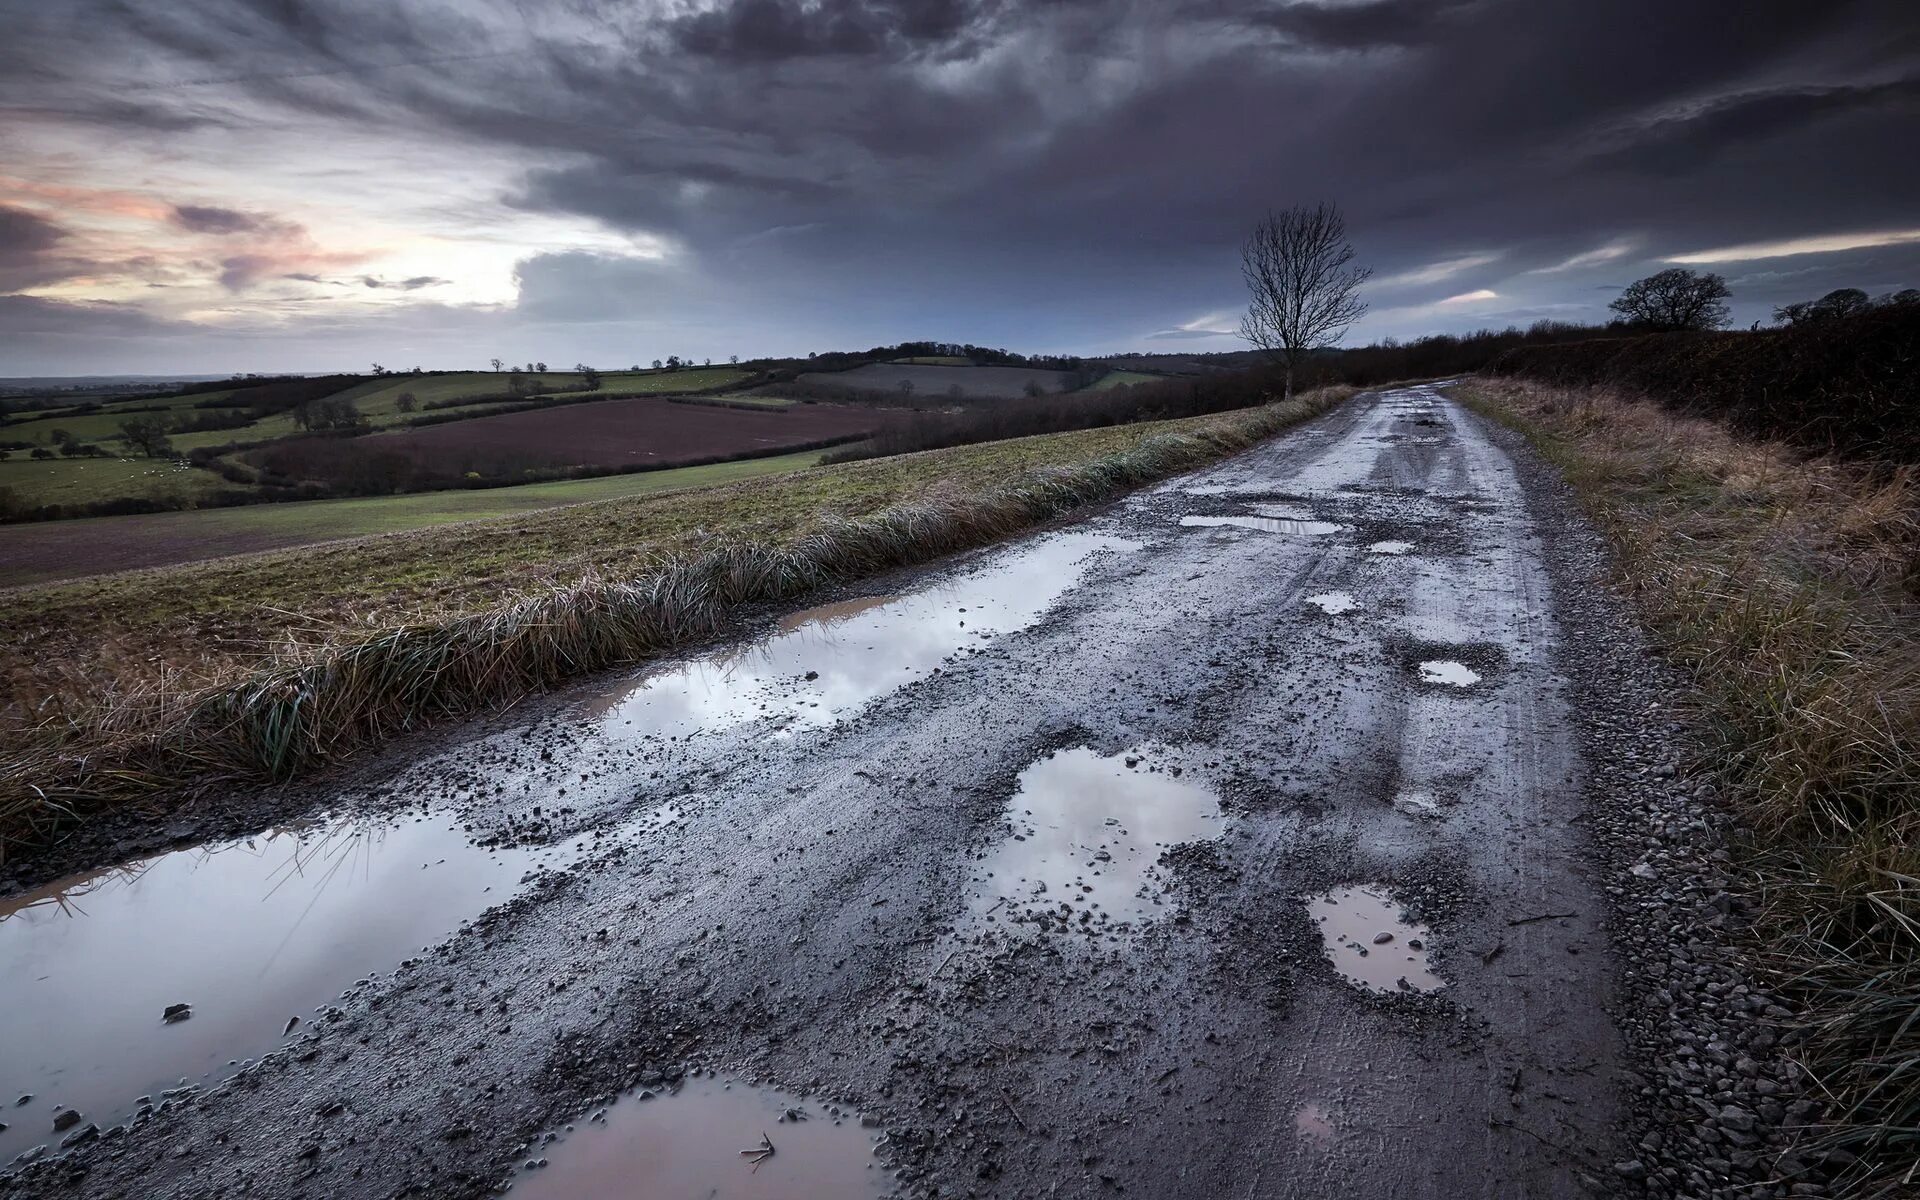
1289,394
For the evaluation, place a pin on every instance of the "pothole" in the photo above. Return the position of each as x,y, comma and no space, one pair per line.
249,934
1371,942
1088,834
710,1138
1416,803
1444,672
1334,603
1312,1122
1292,525
1389,547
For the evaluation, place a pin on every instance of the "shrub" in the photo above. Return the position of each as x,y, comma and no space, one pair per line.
1846,385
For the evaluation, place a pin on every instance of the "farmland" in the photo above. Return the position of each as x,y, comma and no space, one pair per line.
935,382
241,417
46,551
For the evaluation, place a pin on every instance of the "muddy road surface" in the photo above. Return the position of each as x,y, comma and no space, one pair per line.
1226,843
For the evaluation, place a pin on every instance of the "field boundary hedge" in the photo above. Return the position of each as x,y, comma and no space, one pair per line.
1845,386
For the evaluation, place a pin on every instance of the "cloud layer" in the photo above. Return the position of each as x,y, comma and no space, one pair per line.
310,184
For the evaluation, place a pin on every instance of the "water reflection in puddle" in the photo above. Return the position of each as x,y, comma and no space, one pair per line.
1311,1122
832,614
825,662
1389,547
1267,524
687,1145
1448,673
249,933
1371,942
1087,837
1333,603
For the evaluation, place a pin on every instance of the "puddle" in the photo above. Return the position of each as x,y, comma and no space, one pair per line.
1311,1122
1268,524
1371,942
1334,603
1389,547
249,933
833,614
1448,673
1088,833
686,1145
825,662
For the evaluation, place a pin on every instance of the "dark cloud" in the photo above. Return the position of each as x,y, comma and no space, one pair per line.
412,284
27,244
206,218
1348,26
1068,174
1681,141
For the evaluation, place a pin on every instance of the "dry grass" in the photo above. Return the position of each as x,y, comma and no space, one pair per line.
330,686
1791,589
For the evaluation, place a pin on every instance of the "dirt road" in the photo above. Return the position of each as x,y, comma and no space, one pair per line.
1228,843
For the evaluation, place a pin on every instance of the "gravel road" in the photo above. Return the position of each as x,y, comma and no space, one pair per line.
1285,830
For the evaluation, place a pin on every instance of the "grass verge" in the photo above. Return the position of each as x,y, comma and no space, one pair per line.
1791,589
305,679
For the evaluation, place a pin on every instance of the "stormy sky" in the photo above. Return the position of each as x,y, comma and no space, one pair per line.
217,185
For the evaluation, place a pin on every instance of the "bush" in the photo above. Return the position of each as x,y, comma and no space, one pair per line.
1847,385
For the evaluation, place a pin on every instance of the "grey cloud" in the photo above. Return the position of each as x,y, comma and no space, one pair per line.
30,250
412,284
1348,26
995,165
207,218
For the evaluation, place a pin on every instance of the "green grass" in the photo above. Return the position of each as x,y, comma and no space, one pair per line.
1114,379
87,480
42,552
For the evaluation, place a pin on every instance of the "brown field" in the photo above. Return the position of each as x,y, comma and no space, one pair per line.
638,432
934,382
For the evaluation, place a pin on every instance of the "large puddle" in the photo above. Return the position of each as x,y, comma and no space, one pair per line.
1088,833
709,1140
1447,673
1370,941
248,934
825,662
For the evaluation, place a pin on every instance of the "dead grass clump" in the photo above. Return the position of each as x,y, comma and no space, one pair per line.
1791,589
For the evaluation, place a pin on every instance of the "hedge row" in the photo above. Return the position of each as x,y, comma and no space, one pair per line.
1848,386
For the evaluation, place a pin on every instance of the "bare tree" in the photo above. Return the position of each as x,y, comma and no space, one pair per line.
1306,290
1675,299
497,364
406,402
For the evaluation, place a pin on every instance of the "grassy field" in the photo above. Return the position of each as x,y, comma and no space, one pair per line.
85,480
1790,589
46,551
376,399
1114,379
203,618
250,667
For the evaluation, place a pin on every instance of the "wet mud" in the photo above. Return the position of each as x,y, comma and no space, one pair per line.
1055,863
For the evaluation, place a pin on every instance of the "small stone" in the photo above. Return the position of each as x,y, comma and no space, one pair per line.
176,1013
1631,1168
64,1120
1382,938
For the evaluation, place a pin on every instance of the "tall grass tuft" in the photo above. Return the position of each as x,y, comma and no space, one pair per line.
1791,589
323,696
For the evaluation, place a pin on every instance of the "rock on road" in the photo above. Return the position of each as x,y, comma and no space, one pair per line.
1030,864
